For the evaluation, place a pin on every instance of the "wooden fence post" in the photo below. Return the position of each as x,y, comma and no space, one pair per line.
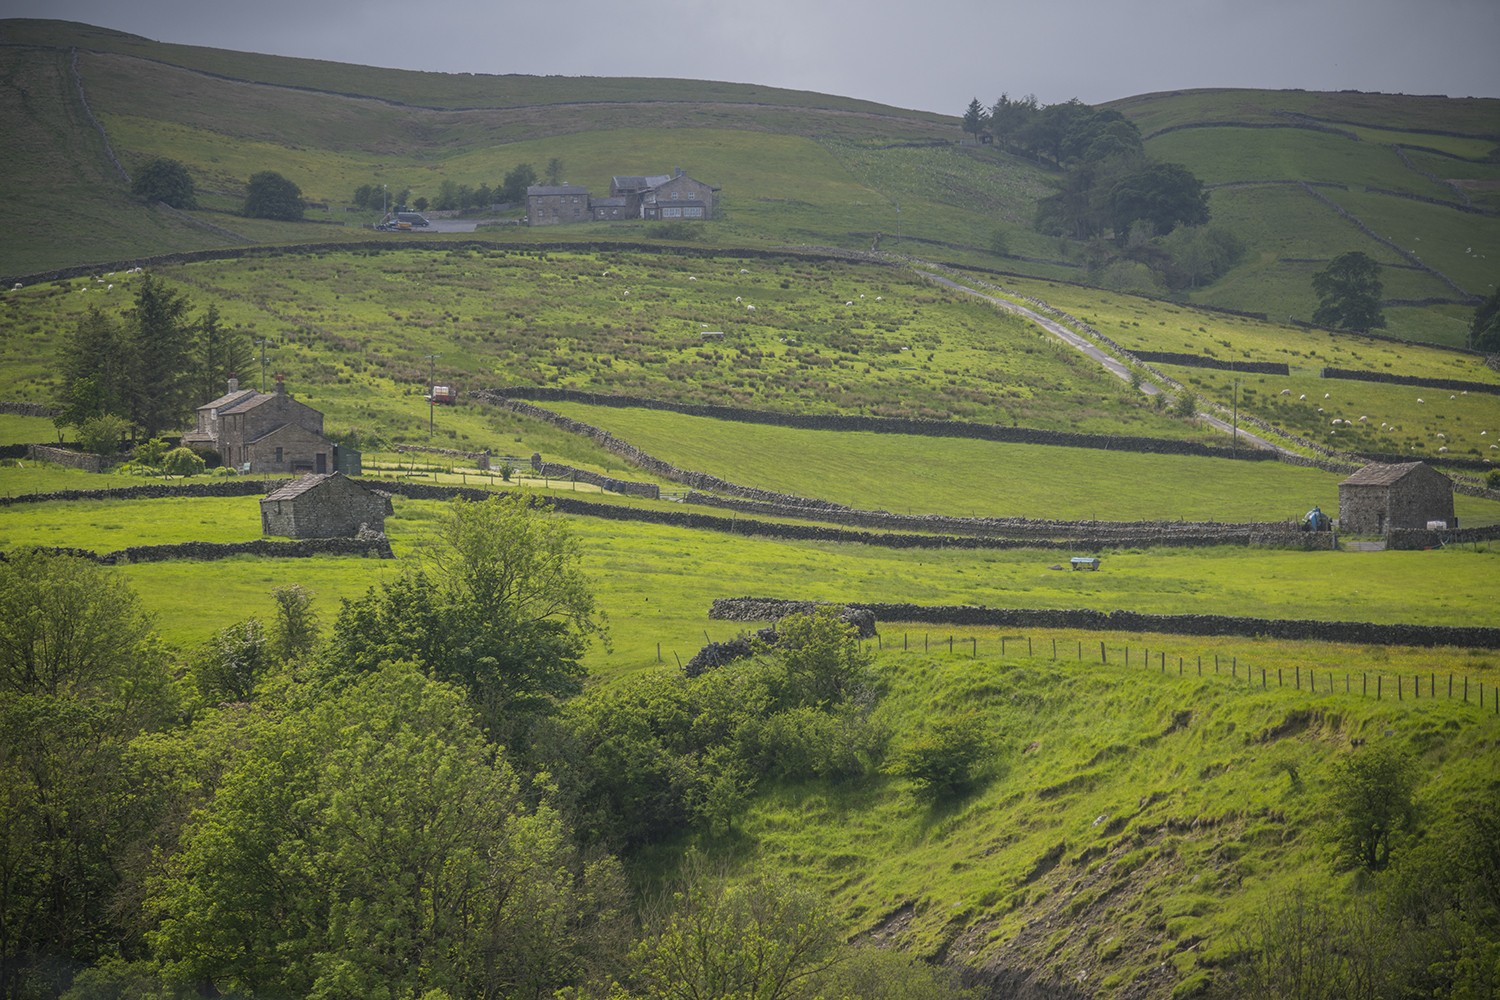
658,652
1054,650
1102,657
950,645
1028,645
1299,677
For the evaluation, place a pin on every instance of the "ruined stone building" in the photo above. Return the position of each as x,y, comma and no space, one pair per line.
260,432
1378,498
323,506
651,196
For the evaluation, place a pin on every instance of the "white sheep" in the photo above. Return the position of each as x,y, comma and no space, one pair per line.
1494,447
1337,421
750,308
111,287
1363,419
1284,392
880,298
1452,397
627,293
17,287
1420,400
1320,409
692,278
861,296
1303,396
1326,395
1443,436
1443,448
1464,393
736,298
744,270
848,303
1483,433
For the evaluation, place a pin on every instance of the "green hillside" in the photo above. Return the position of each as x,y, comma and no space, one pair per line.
1145,815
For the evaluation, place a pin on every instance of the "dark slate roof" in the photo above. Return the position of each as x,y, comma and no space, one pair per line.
543,189
1382,475
249,402
299,486
227,399
638,183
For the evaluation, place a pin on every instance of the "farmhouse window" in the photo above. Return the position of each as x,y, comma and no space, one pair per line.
693,213
278,455
692,196
671,213
674,195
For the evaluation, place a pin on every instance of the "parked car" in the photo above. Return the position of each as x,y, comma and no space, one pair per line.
412,218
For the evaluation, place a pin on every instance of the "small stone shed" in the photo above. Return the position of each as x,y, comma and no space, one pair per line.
1378,498
323,506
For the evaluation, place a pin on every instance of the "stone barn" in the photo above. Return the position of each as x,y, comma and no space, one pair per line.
1378,498
323,506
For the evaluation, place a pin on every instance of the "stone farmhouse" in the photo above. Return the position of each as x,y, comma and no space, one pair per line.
323,506
259,432
1379,498
655,197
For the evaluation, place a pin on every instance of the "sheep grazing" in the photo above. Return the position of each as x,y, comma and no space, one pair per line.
16,287
1421,400
111,287
1326,395
1483,433
1443,448
1284,392
848,303
750,308
1320,409
1452,397
1464,393
861,296
736,298
1443,436
744,270
627,292
1303,396
1363,419
1337,421
880,298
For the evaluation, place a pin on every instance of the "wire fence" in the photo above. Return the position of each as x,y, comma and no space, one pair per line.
1378,685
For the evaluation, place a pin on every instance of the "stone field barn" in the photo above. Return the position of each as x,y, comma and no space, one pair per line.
1378,498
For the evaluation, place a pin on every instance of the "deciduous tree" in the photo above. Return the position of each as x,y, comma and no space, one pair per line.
271,196
1348,291
164,180
1165,194
1374,791
1484,328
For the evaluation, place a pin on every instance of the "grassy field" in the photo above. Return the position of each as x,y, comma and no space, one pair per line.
1475,117
1092,852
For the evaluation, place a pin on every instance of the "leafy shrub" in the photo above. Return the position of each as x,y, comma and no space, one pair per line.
231,662
1492,480
945,759
1374,793
182,462
506,471
1186,406
151,453
101,435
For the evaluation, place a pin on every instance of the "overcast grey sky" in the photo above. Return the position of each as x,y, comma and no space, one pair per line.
932,55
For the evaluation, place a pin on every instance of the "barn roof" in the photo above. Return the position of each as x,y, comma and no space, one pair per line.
1382,475
301,485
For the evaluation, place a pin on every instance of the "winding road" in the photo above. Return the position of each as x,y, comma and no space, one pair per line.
1110,364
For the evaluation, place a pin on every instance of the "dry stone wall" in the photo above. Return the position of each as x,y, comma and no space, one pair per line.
626,487
71,459
1199,361
752,609
1456,385
1408,539
378,548
26,409
157,491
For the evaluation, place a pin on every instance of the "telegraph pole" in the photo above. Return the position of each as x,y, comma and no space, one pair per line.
262,345
431,386
1235,436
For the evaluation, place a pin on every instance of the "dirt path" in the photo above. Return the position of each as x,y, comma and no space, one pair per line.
1081,343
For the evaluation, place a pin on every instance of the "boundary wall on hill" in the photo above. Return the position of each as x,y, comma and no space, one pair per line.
556,470
852,422
1458,385
1199,361
365,246
1300,629
302,548
27,409
72,459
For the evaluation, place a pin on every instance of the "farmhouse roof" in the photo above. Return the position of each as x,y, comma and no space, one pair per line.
1382,475
546,189
228,399
246,402
608,202
640,183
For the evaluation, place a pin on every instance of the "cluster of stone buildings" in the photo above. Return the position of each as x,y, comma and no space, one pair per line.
660,197
268,432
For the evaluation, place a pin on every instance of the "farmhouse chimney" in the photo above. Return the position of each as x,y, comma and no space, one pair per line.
234,385
678,173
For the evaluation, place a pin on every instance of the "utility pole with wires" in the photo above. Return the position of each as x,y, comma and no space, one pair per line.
262,345
431,389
